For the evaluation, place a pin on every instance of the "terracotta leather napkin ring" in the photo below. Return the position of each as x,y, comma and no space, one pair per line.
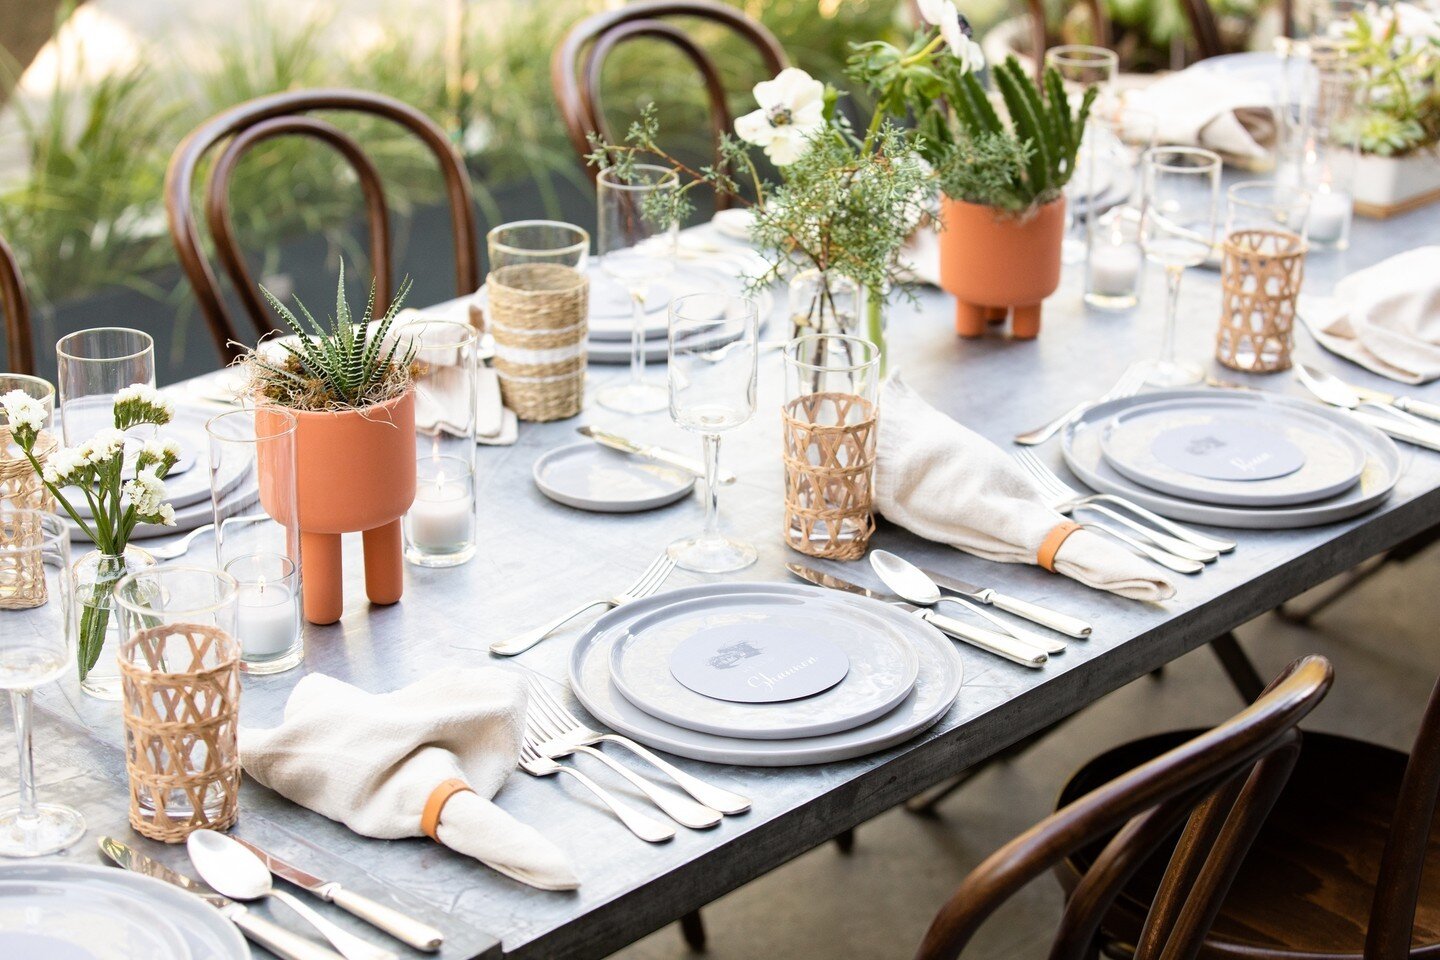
1050,546
435,803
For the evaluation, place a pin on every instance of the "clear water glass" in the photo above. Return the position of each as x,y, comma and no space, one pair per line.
1081,67
93,366
713,352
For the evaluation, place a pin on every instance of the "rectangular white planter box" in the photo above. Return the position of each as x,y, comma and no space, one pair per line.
1386,186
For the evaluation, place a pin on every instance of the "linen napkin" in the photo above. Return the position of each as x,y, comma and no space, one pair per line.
946,483
1203,108
1385,318
371,761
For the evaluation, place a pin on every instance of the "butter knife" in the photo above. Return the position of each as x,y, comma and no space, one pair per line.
1016,651
419,935
659,454
1430,411
1068,625
271,936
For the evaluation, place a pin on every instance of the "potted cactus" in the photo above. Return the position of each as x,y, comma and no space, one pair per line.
1003,211
350,389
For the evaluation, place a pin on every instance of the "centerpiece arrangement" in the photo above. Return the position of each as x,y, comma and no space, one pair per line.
120,490
351,391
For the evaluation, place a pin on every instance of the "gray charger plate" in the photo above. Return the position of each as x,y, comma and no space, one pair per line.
1334,457
587,476
207,934
936,687
883,664
1080,446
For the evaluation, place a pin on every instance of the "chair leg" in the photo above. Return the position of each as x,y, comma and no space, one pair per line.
1242,673
846,841
692,928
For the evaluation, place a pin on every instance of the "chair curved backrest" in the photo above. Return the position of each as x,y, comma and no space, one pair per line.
19,342
235,131
1221,785
578,64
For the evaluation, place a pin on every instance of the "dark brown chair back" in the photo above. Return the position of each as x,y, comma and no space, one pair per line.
578,64
1204,28
1041,39
287,114
19,343
1220,785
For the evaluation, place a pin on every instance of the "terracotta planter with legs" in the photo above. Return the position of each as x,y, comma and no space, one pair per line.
356,473
993,262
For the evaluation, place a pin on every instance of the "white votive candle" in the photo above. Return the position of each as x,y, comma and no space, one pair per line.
440,518
1114,269
269,619
1329,216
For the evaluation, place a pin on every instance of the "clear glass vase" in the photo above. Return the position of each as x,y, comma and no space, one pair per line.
97,620
823,302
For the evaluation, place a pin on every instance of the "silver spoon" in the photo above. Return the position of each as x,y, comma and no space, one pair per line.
912,583
240,875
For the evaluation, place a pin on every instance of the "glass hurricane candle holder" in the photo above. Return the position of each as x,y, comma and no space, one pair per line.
268,620
93,366
439,528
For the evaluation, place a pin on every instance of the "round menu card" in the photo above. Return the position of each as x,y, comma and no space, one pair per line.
730,662
1225,449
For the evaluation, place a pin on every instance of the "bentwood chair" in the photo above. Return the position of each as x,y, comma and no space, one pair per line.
1041,39
1217,787
19,344
578,65
1347,866
234,132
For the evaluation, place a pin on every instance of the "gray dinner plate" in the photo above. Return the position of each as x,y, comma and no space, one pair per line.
588,476
883,663
62,911
1080,446
936,687
1333,456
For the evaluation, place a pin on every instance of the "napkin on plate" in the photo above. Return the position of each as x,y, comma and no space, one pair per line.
946,483
1385,318
1203,108
371,761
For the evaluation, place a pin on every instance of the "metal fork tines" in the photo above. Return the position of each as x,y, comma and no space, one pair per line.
645,585
1183,558
572,731
533,762
1128,385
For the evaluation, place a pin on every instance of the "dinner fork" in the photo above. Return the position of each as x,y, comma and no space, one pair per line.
1051,480
1128,385
573,731
533,762
682,810
645,585
1066,500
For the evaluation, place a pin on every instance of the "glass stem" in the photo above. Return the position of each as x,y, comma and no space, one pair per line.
637,338
1172,307
712,487
20,707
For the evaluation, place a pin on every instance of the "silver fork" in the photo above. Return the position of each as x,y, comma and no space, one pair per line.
538,765
647,583
1128,385
573,731
1052,479
1067,500
546,737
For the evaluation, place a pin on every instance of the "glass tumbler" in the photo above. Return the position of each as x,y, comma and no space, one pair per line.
94,365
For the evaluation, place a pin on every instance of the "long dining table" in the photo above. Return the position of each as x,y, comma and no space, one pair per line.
537,557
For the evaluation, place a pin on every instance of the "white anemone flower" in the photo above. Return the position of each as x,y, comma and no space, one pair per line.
934,12
955,32
792,110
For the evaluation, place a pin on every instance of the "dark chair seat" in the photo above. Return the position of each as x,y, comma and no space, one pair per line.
1306,889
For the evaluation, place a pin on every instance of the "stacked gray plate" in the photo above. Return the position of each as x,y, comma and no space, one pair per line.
1233,458
790,674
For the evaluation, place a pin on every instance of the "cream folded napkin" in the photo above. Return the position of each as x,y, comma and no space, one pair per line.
1205,109
946,483
1385,318
371,761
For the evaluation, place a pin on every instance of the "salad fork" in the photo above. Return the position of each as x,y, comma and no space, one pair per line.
533,762
647,583
1052,483
573,731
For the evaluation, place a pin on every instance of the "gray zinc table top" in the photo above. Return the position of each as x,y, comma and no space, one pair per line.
537,557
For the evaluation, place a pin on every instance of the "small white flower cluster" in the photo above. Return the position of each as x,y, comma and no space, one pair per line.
141,403
146,493
159,454
77,466
64,467
25,414
953,29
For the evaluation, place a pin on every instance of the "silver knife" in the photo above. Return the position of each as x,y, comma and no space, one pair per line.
1430,411
271,936
659,454
419,935
990,641
1068,625
1392,420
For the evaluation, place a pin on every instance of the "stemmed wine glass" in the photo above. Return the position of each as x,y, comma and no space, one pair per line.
1081,67
713,353
636,239
37,646
1177,230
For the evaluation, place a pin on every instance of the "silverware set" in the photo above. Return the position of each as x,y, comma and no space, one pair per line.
552,732
1412,421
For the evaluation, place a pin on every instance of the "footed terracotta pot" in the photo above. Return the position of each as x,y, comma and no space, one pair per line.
993,263
356,473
